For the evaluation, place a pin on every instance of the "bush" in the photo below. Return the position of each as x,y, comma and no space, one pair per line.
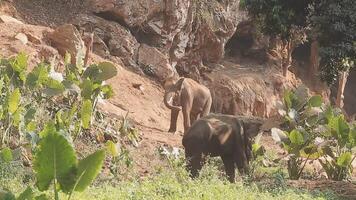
315,131
65,104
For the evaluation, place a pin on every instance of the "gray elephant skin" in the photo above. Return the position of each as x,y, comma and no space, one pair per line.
221,135
193,98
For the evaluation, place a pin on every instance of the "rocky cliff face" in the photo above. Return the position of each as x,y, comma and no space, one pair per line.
183,33
188,37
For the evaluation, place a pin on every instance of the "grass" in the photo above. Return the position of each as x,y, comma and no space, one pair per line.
171,184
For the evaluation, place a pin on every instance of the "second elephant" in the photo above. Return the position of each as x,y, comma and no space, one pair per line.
221,135
192,98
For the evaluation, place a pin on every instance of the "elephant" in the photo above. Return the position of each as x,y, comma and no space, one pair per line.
193,98
227,136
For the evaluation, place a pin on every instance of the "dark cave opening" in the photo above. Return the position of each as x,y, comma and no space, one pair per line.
242,40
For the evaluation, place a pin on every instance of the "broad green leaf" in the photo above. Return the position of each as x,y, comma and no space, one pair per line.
87,88
101,72
88,169
352,136
54,87
112,148
30,115
14,101
31,127
6,154
257,150
340,128
26,195
329,114
86,113
315,101
55,158
288,99
311,151
38,76
6,195
344,160
49,128
17,116
19,64
107,91
67,58
79,60
107,71
296,137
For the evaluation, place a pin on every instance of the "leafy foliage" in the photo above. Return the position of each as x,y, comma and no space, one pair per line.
317,132
55,158
44,96
278,17
335,23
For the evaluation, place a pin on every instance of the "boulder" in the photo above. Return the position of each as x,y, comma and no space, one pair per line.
110,38
66,38
8,19
22,37
245,96
151,57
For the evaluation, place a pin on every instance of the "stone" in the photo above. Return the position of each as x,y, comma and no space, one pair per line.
150,56
246,96
32,38
22,37
110,38
8,19
66,38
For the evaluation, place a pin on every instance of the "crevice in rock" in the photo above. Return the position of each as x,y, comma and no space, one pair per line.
237,45
108,15
246,44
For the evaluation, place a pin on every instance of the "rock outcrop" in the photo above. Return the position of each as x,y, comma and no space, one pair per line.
189,32
110,38
66,38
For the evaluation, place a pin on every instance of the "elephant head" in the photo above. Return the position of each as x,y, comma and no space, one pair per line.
173,90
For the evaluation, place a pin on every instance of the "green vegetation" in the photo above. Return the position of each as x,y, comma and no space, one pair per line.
336,32
174,183
315,131
43,96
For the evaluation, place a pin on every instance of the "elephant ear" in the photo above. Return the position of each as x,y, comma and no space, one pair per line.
179,85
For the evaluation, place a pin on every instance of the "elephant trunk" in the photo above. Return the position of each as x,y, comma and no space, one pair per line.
168,101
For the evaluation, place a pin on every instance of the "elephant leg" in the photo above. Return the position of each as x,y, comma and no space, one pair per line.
193,117
241,160
207,108
174,118
194,164
186,116
229,167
